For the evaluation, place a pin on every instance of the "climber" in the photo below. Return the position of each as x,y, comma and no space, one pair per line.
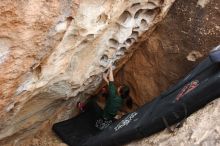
114,101
116,97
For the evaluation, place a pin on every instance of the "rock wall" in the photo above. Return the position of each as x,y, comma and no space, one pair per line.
179,42
52,54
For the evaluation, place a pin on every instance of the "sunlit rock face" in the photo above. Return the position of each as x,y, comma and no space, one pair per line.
52,54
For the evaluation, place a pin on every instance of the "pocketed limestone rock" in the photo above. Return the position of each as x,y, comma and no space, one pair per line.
54,52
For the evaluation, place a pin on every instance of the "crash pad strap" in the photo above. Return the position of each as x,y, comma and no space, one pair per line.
176,115
184,119
167,125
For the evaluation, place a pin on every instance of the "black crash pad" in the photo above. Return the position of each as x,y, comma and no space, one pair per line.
198,88
75,130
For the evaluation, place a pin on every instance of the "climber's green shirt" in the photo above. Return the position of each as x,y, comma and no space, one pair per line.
113,103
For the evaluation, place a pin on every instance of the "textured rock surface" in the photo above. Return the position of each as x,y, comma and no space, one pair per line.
52,54
201,128
179,43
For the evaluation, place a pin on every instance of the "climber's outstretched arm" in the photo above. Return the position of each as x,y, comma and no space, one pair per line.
105,77
111,77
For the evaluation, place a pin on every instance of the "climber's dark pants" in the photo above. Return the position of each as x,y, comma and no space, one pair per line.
91,104
101,122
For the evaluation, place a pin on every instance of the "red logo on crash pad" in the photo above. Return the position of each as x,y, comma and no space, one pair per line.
186,89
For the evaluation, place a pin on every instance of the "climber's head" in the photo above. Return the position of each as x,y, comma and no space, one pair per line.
124,91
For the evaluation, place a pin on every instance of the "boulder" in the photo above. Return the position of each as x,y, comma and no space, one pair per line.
53,54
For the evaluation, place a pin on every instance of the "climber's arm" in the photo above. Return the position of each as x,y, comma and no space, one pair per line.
111,77
105,77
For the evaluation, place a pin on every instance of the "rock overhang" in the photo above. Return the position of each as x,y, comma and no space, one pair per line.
100,33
